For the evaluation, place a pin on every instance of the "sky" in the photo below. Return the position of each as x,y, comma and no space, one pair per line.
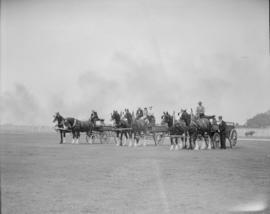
76,56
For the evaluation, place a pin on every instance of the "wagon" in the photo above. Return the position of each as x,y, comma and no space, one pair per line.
104,133
101,132
159,132
231,135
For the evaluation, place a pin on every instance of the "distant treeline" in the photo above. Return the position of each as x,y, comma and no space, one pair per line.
261,120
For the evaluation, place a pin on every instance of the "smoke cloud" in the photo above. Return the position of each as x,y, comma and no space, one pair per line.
19,106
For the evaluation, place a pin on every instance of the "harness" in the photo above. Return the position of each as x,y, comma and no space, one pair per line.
74,123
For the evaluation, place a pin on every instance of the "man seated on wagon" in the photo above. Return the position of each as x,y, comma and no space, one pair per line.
94,118
139,113
200,112
145,112
145,115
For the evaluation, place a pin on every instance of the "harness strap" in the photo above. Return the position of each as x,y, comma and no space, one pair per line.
75,121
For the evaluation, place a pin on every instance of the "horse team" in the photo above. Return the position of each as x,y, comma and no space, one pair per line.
134,128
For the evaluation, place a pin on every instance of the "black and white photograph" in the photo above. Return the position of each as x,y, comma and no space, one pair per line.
134,106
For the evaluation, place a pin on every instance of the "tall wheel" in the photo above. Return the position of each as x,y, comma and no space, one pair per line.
216,140
233,137
161,138
103,137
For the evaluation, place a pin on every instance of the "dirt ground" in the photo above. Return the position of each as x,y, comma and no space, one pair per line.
38,175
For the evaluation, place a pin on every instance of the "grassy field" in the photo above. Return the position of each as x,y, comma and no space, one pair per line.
38,175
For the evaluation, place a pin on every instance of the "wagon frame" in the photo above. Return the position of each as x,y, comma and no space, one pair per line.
102,132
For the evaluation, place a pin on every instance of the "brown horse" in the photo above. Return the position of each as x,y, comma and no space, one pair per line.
121,124
77,126
60,126
140,127
200,127
176,128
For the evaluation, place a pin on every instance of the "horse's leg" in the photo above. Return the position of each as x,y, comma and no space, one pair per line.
144,137
180,143
185,140
183,144
117,138
130,138
205,141
176,143
73,136
202,142
154,137
64,137
172,144
190,140
61,137
121,138
209,142
195,135
77,137
126,137
136,138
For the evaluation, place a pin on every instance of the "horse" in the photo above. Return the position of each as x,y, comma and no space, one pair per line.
176,127
77,126
139,113
201,127
60,127
121,124
140,126
249,133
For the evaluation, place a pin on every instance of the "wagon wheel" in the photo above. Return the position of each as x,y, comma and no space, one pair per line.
103,137
233,137
216,140
156,138
160,138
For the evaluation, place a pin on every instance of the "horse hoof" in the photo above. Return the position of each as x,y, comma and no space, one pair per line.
171,148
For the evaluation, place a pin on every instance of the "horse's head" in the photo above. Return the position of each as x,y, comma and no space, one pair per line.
128,116
115,116
151,118
55,117
167,118
58,118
